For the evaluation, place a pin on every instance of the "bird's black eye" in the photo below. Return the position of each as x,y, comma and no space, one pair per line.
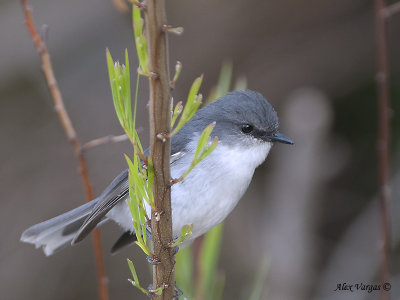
247,128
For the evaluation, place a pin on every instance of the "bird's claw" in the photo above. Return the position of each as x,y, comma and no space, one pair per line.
153,260
178,292
174,250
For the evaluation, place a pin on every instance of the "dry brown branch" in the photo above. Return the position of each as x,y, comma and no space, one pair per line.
382,78
161,219
121,6
72,136
391,10
104,140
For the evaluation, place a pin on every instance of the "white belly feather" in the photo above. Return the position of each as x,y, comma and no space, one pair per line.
210,191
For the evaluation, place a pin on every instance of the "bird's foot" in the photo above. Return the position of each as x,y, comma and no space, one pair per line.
153,260
177,292
174,250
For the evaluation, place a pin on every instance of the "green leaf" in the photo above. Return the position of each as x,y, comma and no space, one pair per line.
175,30
150,182
136,224
135,281
224,83
240,84
259,280
142,214
192,104
186,232
208,149
134,203
136,19
121,92
144,247
204,137
140,40
209,258
135,109
133,271
126,93
178,69
139,190
194,89
203,149
112,72
177,111
218,288
158,291
184,271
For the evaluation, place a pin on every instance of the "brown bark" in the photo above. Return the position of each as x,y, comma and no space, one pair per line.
161,219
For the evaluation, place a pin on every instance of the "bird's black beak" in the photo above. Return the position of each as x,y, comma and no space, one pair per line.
279,137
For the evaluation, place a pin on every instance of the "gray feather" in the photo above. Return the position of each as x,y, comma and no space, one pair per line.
114,193
231,111
234,109
125,239
51,234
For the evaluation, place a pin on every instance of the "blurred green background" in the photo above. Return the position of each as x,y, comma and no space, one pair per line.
311,209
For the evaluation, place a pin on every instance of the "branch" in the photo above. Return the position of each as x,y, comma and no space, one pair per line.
121,6
391,10
362,231
161,218
72,136
383,140
105,140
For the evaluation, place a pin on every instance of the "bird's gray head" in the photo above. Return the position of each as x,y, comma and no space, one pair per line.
244,116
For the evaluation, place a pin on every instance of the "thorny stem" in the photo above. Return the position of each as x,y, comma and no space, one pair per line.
159,112
383,140
72,136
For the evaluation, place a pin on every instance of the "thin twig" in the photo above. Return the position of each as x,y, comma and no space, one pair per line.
104,140
391,10
159,112
72,136
383,140
121,6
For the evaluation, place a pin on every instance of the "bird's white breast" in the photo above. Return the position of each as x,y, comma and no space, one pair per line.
210,191
214,187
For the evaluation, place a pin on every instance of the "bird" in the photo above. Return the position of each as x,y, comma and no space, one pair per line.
246,125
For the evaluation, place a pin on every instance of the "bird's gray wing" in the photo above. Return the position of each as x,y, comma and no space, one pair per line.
117,191
125,239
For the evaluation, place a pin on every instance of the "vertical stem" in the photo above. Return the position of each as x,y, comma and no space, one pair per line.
161,217
383,139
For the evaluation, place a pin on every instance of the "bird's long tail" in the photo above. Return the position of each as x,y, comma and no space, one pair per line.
56,233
